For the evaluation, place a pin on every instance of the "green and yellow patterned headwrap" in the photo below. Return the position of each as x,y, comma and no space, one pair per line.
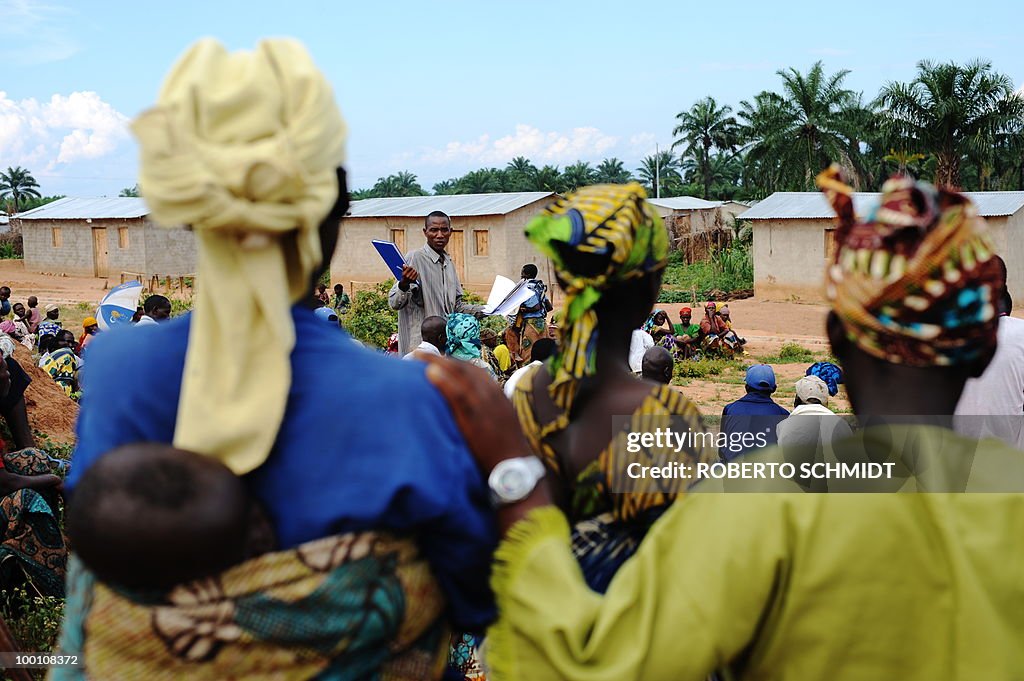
596,237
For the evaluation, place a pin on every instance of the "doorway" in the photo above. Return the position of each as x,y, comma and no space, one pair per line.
99,251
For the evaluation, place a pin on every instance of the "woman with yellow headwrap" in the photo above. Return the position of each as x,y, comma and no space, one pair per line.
775,583
382,525
609,249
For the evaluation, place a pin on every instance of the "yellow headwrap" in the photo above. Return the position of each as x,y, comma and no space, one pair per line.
243,147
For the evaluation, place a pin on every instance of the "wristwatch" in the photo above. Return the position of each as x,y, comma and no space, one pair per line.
512,480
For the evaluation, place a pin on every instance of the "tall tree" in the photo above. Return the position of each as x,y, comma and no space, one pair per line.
519,175
665,167
482,181
795,134
612,171
954,112
402,183
446,187
132,192
578,175
703,129
548,179
17,183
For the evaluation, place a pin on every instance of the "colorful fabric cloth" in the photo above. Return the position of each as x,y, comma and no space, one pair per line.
464,661
828,372
916,282
521,336
650,325
62,365
32,544
48,327
608,525
354,606
501,352
596,237
463,336
934,578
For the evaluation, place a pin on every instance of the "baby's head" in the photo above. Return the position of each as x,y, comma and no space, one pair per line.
151,516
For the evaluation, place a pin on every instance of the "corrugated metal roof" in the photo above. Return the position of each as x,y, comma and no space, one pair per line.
76,209
812,205
684,203
455,205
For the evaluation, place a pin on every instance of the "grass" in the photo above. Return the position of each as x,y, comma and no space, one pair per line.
34,620
702,369
730,269
790,353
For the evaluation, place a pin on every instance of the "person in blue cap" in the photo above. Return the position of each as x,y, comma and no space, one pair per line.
750,421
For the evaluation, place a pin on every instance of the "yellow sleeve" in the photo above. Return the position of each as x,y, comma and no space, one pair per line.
687,603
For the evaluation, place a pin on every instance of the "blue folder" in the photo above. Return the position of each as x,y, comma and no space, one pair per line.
391,255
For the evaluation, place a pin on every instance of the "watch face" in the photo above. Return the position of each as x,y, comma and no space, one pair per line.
511,482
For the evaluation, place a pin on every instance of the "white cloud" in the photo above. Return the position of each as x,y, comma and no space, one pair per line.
538,146
66,129
33,32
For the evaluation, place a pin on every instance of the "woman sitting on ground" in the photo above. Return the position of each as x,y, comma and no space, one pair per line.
609,249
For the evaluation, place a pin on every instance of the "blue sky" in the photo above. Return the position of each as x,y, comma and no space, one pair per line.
439,88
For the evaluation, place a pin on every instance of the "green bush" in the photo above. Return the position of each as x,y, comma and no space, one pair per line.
701,368
370,319
730,269
84,307
34,620
790,353
11,247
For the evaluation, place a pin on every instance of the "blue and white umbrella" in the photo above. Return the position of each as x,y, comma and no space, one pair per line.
118,306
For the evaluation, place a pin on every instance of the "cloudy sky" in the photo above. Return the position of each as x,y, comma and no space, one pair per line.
439,88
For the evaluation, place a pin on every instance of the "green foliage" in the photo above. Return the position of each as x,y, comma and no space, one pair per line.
36,202
16,186
34,620
8,251
730,269
790,353
370,319
702,368
495,324
180,306
132,192
325,278
84,307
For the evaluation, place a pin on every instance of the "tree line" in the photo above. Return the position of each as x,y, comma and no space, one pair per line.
959,125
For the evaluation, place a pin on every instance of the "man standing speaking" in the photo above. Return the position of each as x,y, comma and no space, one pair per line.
429,285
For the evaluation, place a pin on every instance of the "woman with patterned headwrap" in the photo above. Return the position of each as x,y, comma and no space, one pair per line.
463,333
920,585
609,249
384,527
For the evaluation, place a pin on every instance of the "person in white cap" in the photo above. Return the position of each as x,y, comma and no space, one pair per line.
811,422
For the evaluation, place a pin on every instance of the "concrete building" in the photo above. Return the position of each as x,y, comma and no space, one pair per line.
103,238
487,236
794,236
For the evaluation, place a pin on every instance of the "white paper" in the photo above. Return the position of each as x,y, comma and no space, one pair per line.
506,296
499,290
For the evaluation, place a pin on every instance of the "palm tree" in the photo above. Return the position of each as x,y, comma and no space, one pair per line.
663,166
612,171
402,183
17,183
548,179
482,181
953,112
578,175
704,127
519,174
446,187
132,192
794,135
